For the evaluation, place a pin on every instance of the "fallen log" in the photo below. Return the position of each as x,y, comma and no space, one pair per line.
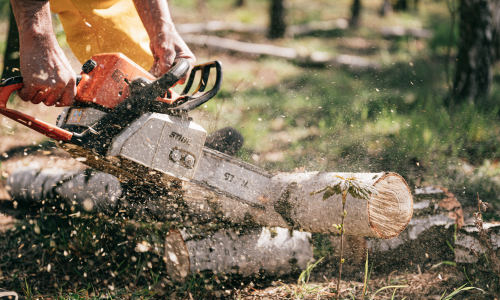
292,30
267,251
399,31
252,49
426,241
286,201
214,26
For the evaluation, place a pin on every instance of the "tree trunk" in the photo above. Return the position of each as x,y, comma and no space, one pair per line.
496,29
355,13
386,8
286,202
474,75
275,251
277,24
401,5
239,3
11,61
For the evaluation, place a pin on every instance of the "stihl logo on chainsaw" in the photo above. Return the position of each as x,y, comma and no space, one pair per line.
178,137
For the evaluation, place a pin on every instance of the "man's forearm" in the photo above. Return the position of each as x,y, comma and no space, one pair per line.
154,15
33,20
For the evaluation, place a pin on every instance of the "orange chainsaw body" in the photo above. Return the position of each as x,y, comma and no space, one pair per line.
106,84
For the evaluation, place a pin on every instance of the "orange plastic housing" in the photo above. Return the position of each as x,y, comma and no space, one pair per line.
105,85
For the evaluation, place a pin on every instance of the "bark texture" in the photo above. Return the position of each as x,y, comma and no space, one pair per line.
476,52
269,251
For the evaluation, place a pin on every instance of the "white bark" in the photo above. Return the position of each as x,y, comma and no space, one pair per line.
277,251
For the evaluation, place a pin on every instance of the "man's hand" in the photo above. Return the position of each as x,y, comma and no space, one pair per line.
166,47
166,44
47,74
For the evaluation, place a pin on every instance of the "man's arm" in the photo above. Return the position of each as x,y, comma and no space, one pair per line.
166,44
47,74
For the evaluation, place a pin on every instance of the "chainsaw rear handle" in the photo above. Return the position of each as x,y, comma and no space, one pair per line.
200,96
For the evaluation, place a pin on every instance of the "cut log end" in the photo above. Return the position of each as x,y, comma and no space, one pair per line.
390,211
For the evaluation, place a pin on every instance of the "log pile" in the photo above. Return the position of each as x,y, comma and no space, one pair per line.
246,240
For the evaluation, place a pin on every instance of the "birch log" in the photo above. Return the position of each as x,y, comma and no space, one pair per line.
271,251
285,202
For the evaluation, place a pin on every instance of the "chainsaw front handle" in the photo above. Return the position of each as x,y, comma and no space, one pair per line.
7,87
200,96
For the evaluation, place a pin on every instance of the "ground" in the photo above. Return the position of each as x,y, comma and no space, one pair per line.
395,118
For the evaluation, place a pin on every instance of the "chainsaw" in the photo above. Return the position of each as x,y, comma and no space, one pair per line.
128,123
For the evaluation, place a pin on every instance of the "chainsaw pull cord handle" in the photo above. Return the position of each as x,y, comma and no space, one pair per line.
7,87
199,96
142,95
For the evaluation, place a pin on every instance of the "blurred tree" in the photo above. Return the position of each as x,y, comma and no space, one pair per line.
401,5
496,28
386,8
476,52
277,24
355,13
11,61
239,3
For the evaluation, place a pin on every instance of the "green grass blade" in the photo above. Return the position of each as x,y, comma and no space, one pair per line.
388,287
366,276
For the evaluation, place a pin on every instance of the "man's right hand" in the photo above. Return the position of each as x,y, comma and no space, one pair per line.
47,74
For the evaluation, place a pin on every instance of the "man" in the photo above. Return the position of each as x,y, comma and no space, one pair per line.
141,29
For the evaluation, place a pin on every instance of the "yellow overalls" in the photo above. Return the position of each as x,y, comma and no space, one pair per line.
104,26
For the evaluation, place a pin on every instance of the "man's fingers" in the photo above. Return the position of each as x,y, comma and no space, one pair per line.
53,97
40,96
26,94
67,97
